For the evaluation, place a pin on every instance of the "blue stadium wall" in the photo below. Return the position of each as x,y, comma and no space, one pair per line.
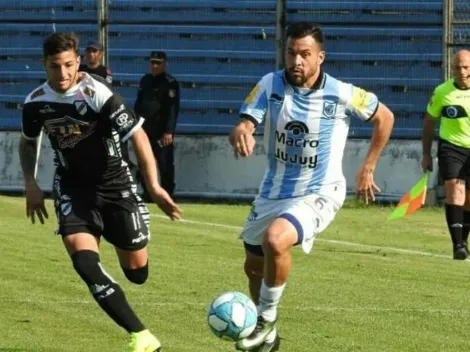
218,50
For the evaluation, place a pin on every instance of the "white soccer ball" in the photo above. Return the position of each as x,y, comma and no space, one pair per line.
232,316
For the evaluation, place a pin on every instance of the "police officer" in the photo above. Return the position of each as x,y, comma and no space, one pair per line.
94,56
158,101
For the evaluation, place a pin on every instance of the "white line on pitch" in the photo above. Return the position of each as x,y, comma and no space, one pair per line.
344,243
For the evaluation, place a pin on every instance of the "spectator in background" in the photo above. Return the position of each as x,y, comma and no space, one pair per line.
94,57
158,101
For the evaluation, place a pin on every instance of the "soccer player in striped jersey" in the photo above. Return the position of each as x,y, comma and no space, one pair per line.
94,192
306,114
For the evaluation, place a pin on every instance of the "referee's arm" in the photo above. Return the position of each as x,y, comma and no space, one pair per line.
429,126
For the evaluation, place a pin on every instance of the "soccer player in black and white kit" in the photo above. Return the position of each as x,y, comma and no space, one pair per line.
94,192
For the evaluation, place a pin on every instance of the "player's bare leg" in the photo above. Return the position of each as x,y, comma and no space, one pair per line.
254,270
83,250
134,264
279,238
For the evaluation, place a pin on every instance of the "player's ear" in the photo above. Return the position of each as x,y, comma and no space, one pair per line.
321,57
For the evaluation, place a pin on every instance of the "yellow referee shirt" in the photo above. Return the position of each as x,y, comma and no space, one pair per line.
452,105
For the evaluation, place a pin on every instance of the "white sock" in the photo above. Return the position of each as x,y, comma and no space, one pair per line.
271,336
269,300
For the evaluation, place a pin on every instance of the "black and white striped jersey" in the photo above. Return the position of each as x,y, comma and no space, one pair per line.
85,126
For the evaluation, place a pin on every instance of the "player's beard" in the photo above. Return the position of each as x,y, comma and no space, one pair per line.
299,80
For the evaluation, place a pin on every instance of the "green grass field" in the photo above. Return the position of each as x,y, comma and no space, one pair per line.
367,285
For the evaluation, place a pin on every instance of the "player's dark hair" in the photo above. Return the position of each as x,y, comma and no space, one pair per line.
302,29
57,43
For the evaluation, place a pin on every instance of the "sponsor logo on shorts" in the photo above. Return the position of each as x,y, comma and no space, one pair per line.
139,238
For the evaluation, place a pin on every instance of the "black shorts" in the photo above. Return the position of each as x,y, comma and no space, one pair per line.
119,216
454,162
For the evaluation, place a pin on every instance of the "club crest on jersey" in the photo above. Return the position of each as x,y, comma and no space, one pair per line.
88,91
329,109
452,111
172,93
81,106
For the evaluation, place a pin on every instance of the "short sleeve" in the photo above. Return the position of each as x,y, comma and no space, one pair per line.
30,124
360,103
256,103
122,118
434,107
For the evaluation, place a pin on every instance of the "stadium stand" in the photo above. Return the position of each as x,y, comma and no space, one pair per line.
218,51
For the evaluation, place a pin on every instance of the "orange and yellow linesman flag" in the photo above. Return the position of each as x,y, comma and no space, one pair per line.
413,200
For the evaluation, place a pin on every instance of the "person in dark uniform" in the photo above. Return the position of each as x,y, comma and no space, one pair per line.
158,101
93,66
94,195
94,56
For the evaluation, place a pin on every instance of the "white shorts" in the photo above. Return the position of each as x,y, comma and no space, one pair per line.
309,214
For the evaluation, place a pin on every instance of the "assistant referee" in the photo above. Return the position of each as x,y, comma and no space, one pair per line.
450,103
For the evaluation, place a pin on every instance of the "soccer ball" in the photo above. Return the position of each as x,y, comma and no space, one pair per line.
232,316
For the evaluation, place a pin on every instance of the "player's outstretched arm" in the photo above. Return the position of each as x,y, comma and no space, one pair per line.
34,196
148,169
383,123
241,137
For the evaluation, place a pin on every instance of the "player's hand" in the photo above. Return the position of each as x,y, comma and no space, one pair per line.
426,163
243,144
35,203
166,204
365,185
167,139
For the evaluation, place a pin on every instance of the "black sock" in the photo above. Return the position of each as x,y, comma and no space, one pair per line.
117,307
454,217
466,225
105,290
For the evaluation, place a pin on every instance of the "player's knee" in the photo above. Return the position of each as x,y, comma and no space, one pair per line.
275,242
87,265
137,276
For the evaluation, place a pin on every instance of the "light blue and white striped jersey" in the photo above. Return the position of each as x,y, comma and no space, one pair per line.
305,132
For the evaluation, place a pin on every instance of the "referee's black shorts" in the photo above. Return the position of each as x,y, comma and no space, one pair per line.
454,162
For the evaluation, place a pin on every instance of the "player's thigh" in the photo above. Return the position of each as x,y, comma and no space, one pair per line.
270,223
311,215
81,241
263,212
79,221
126,226
132,259
282,233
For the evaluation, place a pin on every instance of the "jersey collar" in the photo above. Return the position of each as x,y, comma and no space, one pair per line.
319,83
